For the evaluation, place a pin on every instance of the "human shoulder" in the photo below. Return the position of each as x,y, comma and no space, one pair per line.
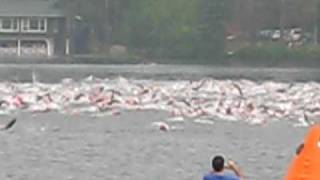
216,177
209,176
231,177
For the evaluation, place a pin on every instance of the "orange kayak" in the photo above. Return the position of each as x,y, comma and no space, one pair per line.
306,164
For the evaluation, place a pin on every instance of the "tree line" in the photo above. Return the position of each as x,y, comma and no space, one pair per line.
184,28
251,16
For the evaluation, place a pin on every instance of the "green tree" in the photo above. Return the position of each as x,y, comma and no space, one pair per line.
163,29
176,29
211,28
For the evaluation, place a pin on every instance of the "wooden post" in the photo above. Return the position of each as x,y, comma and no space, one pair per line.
316,24
315,36
282,19
107,26
67,51
19,48
69,30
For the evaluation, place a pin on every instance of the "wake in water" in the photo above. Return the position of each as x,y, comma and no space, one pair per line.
202,101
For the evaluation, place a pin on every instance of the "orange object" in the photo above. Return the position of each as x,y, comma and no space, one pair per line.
306,165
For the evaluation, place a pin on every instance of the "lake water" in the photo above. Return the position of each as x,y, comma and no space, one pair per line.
126,146
54,73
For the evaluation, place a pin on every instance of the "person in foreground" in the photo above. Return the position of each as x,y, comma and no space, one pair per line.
219,167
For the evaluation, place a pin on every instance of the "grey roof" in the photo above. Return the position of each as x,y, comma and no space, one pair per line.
31,8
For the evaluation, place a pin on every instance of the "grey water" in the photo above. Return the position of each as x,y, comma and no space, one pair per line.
56,146
56,72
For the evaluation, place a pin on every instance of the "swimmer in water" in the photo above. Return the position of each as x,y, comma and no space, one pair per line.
9,125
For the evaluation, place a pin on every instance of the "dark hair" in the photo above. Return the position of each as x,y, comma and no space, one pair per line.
299,148
218,163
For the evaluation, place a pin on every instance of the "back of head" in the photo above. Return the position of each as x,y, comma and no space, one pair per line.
218,163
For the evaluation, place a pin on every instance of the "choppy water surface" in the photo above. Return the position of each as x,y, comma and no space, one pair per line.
54,146
106,126
203,100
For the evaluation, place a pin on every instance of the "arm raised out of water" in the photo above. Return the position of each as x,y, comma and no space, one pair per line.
9,125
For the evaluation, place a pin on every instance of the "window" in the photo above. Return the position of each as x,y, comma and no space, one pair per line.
6,24
37,25
34,48
43,24
34,24
8,48
25,25
16,24
9,25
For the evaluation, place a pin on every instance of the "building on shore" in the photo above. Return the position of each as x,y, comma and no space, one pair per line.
32,28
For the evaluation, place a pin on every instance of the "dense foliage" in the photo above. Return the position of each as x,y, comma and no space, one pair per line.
185,29
159,29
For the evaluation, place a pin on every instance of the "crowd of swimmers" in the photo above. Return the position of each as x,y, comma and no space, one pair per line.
254,102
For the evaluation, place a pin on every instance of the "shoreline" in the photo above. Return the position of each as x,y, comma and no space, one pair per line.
109,60
56,72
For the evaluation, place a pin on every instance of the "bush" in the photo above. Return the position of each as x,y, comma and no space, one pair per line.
277,52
